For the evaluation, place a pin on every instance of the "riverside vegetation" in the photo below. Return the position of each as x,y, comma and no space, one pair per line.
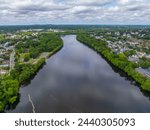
28,61
119,60
32,47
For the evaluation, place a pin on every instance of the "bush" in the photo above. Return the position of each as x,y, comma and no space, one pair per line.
27,57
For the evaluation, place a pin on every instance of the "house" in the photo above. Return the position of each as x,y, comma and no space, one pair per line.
5,65
123,49
2,72
6,44
141,54
1,59
10,48
133,58
147,56
2,51
145,72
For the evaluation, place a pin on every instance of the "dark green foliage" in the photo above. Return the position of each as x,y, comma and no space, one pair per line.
119,60
8,91
27,57
22,72
46,42
129,53
146,85
144,62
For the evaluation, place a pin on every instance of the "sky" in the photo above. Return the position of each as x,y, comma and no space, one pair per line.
20,12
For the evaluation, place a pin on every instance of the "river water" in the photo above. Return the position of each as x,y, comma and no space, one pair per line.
77,79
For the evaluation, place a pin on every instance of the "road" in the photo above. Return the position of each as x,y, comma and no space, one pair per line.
12,60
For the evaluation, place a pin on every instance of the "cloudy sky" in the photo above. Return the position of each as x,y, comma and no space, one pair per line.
74,12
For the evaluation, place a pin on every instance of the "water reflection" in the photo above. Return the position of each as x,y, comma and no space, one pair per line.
77,79
126,77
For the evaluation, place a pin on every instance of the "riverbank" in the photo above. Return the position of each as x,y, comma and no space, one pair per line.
10,84
119,61
77,79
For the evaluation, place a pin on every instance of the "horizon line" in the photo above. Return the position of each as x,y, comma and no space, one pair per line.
75,24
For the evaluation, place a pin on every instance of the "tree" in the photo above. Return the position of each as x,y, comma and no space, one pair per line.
10,90
26,57
146,85
34,52
119,60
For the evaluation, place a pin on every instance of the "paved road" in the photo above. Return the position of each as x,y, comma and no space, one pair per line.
12,60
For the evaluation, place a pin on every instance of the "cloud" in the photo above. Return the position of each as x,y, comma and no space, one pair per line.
123,2
90,2
75,11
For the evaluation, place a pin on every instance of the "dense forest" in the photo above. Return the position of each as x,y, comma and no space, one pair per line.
119,60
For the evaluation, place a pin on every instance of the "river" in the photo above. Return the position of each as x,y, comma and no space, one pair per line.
77,79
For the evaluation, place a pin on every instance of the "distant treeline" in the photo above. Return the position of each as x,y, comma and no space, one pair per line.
10,28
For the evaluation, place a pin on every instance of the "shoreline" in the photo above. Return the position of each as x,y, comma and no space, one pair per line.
36,67
140,80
